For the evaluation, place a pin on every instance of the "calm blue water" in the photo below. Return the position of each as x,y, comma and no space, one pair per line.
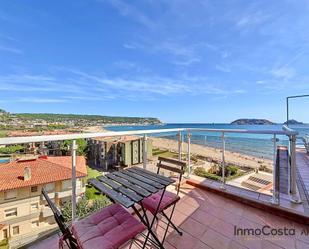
251,144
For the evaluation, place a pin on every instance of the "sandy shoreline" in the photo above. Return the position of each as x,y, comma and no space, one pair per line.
92,129
230,157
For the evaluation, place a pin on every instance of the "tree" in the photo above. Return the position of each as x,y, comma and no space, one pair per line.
65,147
11,149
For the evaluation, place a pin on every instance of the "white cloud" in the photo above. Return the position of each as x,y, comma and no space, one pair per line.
284,73
131,11
7,37
223,68
11,50
129,46
38,100
75,85
252,19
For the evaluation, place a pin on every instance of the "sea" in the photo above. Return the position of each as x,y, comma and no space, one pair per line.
257,145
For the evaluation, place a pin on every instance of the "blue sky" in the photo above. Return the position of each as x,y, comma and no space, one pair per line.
178,60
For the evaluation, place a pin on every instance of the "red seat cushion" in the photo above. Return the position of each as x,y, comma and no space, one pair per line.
108,228
151,202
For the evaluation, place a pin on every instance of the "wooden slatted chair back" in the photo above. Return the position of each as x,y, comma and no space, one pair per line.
60,221
172,165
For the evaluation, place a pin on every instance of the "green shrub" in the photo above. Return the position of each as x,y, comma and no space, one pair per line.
11,149
92,193
84,207
4,244
232,170
200,171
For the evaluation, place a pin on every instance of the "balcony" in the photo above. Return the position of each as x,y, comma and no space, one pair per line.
64,193
209,209
208,220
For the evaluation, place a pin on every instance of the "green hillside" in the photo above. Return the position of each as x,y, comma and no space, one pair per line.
50,117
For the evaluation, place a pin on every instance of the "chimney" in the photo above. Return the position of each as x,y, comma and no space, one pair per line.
27,174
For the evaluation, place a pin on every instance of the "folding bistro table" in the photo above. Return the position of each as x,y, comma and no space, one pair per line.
129,187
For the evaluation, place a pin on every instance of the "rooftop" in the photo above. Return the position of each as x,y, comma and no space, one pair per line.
117,139
43,170
38,133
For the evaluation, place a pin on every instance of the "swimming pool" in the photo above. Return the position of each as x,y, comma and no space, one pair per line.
4,160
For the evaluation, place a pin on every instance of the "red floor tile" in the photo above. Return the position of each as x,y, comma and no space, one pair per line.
202,217
222,227
201,245
215,239
182,242
193,227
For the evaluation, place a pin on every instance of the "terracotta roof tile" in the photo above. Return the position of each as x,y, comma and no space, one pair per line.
43,170
38,133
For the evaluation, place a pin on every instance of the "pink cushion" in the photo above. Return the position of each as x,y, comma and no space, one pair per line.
108,228
151,202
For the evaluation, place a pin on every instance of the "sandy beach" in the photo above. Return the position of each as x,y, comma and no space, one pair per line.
230,157
93,129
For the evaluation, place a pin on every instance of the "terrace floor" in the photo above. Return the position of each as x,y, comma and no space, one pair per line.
208,221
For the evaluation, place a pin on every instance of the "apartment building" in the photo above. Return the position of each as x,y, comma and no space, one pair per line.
107,152
24,213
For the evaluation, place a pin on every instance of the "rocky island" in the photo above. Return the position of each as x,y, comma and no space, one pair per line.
252,121
293,122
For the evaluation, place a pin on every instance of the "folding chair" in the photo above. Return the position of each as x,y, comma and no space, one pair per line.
109,228
169,199
66,233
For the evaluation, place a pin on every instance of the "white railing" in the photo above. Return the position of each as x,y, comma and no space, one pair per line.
188,131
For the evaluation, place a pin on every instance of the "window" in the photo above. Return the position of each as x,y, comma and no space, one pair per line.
10,212
34,189
35,223
15,230
10,194
5,234
50,187
66,184
35,206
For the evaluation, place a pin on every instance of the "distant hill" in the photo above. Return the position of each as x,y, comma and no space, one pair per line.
252,121
293,122
50,117
50,121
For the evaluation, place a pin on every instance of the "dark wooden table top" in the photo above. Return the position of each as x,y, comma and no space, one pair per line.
131,185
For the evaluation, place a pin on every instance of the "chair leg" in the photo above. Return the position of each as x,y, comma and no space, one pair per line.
170,222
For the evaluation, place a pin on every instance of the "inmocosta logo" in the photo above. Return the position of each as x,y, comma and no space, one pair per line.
265,230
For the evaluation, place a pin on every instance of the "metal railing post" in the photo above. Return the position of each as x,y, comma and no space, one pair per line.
179,146
144,151
275,199
223,162
189,153
205,139
292,171
73,154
